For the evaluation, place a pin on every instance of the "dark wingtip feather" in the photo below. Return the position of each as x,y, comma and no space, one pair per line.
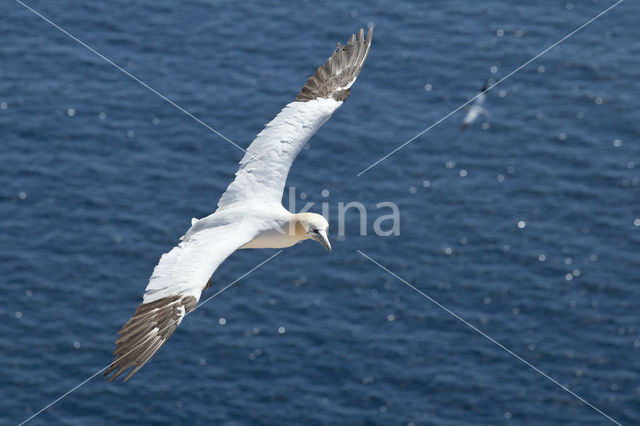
333,78
146,331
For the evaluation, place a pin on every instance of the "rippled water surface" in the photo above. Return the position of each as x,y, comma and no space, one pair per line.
527,225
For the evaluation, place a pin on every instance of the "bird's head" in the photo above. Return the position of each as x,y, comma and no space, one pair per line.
313,226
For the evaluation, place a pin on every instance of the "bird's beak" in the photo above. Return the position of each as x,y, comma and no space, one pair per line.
322,238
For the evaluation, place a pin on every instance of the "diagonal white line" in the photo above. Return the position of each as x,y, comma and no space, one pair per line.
482,333
61,397
127,73
237,279
490,87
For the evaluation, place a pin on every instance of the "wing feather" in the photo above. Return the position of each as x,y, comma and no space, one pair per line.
173,291
264,168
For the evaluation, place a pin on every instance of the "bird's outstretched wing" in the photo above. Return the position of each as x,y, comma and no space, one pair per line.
264,168
174,290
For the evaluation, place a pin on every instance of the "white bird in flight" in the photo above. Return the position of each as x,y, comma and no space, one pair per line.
249,214
476,109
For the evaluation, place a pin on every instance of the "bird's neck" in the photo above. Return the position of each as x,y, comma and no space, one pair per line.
295,227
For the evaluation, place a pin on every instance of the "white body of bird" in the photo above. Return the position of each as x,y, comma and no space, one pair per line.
249,214
475,110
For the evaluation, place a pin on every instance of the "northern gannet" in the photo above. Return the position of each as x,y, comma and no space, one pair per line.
249,214
476,109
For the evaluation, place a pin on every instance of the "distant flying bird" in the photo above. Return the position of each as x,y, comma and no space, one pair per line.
249,215
476,109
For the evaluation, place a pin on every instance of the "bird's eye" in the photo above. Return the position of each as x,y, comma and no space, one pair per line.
313,231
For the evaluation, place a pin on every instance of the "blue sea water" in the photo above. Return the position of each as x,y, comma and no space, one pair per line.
527,225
